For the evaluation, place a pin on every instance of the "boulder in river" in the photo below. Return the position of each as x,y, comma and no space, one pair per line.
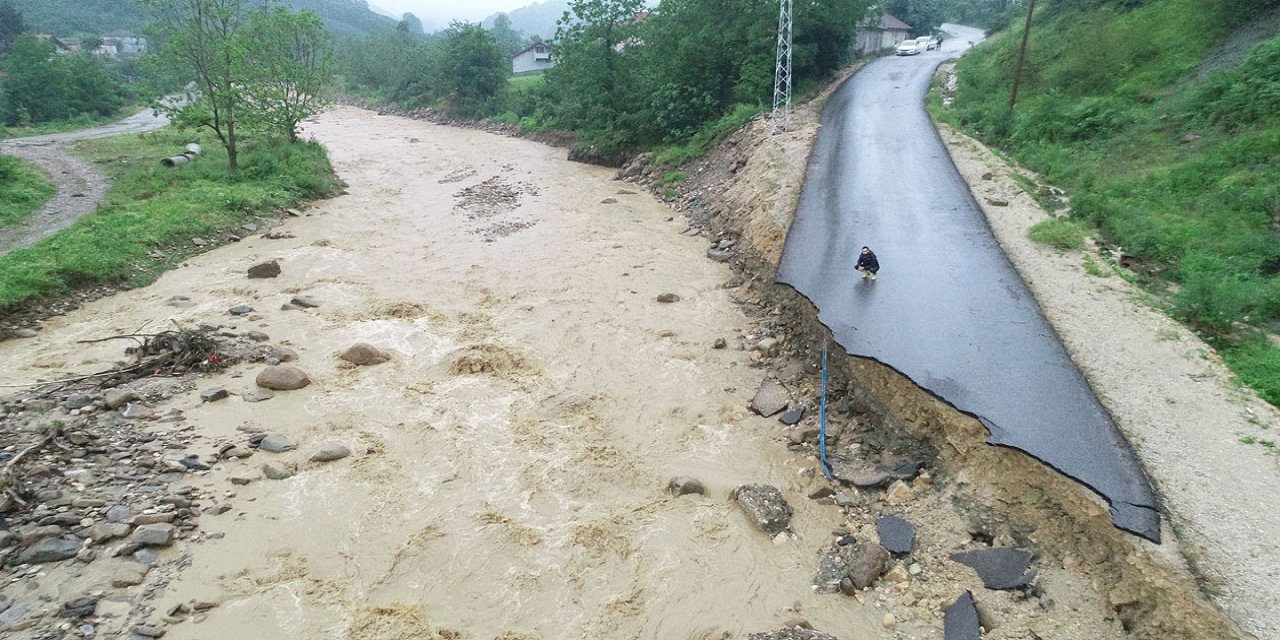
364,354
684,485
331,451
268,269
765,506
281,378
770,398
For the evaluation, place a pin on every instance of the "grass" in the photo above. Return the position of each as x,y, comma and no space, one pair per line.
525,83
23,190
1094,269
1059,233
676,155
150,213
1257,361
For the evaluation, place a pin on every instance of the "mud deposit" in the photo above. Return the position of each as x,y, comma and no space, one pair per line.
509,463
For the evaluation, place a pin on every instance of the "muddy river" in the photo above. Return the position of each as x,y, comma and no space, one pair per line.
510,461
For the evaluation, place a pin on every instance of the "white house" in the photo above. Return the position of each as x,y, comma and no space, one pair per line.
535,59
878,35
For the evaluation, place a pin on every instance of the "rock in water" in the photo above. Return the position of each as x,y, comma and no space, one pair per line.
269,269
306,302
792,633
765,506
331,451
684,485
276,443
896,535
213,395
960,620
50,550
282,378
791,417
999,567
668,298
871,562
257,394
240,310
719,255
364,354
770,398
117,398
277,470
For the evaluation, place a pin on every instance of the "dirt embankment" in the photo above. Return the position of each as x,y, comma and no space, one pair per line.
741,197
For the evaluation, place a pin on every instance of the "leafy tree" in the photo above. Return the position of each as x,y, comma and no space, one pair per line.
923,15
205,38
392,62
473,69
595,82
510,40
287,69
43,86
11,24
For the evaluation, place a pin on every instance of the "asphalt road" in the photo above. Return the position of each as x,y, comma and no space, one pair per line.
949,311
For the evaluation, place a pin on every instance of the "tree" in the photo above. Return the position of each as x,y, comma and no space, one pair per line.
43,86
11,25
204,36
510,40
922,15
287,69
595,82
473,69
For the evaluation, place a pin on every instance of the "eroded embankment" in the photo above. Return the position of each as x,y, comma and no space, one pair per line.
742,196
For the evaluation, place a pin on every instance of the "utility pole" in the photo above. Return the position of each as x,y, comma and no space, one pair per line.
781,118
1022,56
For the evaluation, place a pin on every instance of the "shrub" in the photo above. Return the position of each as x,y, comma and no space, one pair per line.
1257,362
1060,233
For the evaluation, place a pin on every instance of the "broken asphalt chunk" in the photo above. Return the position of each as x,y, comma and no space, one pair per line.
896,535
1000,568
960,620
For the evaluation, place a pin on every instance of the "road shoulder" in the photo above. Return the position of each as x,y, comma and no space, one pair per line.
1169,392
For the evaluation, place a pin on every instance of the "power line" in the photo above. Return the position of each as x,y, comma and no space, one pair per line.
781,118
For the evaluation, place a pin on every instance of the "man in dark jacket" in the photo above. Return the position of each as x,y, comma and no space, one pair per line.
868,264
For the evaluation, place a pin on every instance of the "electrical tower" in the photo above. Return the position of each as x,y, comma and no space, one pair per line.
781,118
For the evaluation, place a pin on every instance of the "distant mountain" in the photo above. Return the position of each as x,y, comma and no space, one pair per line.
536,19
67,17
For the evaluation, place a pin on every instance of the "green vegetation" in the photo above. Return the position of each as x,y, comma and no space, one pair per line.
1060,233
23,190
42,87
1173,162
149,209
1094,269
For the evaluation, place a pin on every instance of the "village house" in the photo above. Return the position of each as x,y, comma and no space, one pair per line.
535,59
880,35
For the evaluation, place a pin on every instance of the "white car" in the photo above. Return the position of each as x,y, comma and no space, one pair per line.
909,48
924,43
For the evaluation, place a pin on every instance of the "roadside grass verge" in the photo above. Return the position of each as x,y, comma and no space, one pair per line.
23,190
1059,233
151,213
675,155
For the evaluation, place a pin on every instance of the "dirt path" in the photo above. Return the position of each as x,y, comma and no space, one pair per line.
1175,400
509,463
81,187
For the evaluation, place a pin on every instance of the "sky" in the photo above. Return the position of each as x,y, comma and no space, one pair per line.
441,11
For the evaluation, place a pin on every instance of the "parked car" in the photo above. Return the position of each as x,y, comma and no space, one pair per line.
925,43
908,48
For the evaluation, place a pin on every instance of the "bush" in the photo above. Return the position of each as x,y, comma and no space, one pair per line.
1059,233
1257,362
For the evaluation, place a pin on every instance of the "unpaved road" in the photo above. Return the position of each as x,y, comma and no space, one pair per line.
81,187
509,463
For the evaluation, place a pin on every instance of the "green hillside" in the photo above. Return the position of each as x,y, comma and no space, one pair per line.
67,17
1171,158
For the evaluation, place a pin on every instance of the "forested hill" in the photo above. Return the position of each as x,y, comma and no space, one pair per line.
537,19
1161,119
96,17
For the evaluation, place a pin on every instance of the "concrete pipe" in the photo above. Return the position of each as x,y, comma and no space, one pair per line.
178,160
194,148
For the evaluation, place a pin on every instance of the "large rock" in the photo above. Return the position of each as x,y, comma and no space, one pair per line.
896,535
277,470
684,485
871,562
792,633
364,354
276,443
117,398
960,620
770,398
103,531
331,451
765,506
282,378
154,535
999,567
269,269
50,550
